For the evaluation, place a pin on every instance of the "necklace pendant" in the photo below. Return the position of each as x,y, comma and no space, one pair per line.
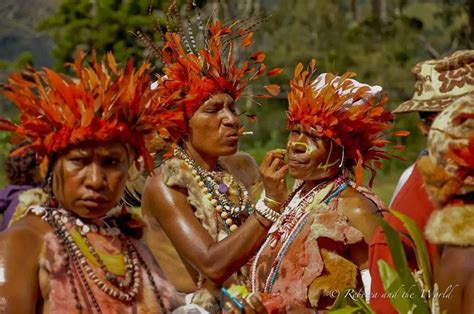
223,188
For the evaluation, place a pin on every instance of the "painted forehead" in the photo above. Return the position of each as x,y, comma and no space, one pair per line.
102,149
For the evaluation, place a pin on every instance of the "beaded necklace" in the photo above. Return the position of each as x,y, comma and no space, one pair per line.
216,185
293,220
125,290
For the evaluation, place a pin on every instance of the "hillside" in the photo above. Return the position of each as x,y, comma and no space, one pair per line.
18,20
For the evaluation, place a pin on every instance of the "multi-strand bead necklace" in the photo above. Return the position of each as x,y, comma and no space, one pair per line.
126,289
293,219
217,186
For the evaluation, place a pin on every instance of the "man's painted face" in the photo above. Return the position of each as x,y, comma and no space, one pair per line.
311,157
89,180
213,128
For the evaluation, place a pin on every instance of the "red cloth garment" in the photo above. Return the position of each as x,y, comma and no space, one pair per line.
413,201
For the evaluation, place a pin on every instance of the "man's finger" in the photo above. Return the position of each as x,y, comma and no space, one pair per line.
282,171
256,303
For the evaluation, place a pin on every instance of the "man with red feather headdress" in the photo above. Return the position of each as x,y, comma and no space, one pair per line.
79,250
202,223
319,245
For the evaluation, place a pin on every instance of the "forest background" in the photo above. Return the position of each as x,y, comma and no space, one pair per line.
380,40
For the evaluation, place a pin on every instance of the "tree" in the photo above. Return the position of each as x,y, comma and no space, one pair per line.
379,40
106,25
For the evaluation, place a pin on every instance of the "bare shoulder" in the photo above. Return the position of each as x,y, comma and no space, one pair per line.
28,232
356,202
21,246
361,212
154,181
159,198
20,249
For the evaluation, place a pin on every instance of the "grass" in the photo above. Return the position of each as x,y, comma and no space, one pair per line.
385,184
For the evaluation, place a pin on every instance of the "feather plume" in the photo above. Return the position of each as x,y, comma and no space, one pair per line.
106,103
360,129
191,78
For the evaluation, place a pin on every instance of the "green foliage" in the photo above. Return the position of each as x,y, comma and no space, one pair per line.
350,302
400,285
404,292
395,288
7,110
23,60
106,25
4,149
421,251
381,53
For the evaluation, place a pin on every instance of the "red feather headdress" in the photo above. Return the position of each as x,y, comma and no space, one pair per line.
105,103
329,111
191,75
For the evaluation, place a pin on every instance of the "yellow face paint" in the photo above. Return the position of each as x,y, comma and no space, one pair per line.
308,148
328,165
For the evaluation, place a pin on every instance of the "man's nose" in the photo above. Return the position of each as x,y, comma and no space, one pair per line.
230,119
297,146
95,177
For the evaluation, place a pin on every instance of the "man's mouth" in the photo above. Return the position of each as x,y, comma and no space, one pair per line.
96,201
292,161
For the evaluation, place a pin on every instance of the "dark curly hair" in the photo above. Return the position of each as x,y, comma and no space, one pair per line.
22,169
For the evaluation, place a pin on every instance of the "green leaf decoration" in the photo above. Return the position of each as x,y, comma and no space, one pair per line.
401,265
350,301
394,288
421,251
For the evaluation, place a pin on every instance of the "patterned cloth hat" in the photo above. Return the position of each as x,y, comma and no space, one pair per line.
440,82
104,103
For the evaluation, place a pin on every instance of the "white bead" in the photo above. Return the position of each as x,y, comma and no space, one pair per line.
214,202
224,215
38,210
219,208
85,229
79,222
229,221
233,227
